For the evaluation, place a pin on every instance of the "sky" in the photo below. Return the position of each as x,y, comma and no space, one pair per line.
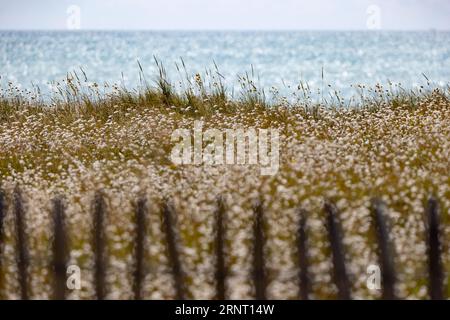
225,14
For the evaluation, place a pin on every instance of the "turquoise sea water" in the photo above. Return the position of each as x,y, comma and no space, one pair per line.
279,59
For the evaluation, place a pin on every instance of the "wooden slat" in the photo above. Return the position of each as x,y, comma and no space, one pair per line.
2,213
22,256
434,251
2,218
337,250
385,250
59,250
99,245
259,276
172,248
221,271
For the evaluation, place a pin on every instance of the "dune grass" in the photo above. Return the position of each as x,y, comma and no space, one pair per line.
387,142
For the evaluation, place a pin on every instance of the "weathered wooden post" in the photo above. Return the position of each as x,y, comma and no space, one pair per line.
174,257
434,251
99,245
259,276
22,257
2,217
221,271
385,250
337,250
59,250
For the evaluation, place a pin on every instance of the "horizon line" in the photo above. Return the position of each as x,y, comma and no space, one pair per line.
224,30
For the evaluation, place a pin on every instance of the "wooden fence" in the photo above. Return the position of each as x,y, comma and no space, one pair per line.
385,250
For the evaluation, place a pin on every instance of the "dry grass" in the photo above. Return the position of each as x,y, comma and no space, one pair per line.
387,143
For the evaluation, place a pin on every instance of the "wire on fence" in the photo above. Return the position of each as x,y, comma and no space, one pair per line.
385,249
337,250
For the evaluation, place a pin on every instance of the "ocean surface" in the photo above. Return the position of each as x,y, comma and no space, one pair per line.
278,59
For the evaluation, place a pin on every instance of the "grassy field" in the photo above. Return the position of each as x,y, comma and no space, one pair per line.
386,142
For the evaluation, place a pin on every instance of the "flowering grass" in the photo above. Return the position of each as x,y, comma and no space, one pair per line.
387,143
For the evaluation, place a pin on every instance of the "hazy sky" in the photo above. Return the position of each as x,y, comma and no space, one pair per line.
226,14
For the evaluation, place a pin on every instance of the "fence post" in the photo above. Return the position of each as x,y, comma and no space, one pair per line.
434,251
302,241
2,214
337,250
174,258
139,247
59,250
220,254
22,249
99,245
259,277
385,250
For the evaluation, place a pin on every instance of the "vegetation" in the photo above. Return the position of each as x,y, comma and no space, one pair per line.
386,142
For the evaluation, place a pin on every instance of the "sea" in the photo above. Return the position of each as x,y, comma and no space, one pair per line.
276,61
